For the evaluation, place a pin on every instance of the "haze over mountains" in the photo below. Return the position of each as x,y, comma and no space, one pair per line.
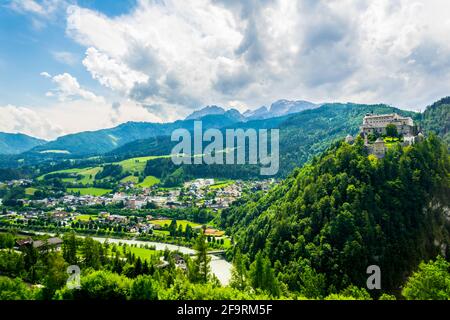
277,109
105,140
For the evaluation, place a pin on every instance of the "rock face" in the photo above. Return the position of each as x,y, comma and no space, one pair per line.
285,107
280,108
259,113
277,109
206,111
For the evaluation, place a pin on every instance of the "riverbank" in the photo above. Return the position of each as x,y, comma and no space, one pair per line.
219,266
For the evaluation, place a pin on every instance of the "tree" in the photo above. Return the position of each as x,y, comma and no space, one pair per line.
262,275
391,130
15,290
201,269
7,240
91,253
239,273
31,256
173,228
143,288
430,282
188,232
55,275
138,267
103,285
69,248
313,284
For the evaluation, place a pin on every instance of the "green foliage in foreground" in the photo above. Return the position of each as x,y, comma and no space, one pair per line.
111,272
15,289
430,282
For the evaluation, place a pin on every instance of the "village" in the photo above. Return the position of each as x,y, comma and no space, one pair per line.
209,193
155,213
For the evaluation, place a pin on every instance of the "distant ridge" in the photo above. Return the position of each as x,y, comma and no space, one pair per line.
15,143
280,108
206,111
277,109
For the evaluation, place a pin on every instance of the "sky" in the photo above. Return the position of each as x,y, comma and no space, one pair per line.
75,65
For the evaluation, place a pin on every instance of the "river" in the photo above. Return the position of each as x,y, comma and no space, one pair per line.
219,266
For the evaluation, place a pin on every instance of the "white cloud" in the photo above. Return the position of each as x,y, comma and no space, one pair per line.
72,116
28,6
43,8
68,88
45,74
182,55
65,57
24,120
110,73
161,53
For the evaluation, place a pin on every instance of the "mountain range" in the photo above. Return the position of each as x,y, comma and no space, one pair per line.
305,129
279,108
106,140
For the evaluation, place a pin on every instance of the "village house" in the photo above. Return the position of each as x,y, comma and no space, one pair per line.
52,243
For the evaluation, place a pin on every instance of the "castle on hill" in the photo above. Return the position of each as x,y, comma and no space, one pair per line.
376,128
376,124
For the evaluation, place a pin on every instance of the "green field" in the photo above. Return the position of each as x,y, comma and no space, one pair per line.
88,174
89,191
30,191
129,165
130,179
149,181
86,217
136,164
167,222
222,184
142,252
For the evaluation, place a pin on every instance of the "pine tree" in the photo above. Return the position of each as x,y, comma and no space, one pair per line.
262,276
201,261
239,273
70,249
138,267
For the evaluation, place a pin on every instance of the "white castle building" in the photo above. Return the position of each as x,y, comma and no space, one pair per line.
376,124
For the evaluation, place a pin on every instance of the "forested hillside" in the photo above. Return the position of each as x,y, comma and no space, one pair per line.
14,143
324,225
436,118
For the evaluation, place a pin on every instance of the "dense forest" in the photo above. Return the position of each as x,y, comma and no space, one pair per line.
327,222
436,119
